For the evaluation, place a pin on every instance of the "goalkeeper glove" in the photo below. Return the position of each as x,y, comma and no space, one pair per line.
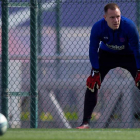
137,79
94,80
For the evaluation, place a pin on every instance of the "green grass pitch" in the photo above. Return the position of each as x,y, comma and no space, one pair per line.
71,134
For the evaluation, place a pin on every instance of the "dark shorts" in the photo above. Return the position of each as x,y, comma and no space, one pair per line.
108,61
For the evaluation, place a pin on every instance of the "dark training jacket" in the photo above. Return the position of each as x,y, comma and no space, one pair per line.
122,41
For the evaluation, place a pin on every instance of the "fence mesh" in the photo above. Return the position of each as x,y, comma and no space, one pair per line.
63,66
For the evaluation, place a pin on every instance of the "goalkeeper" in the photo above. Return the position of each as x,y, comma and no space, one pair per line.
114,42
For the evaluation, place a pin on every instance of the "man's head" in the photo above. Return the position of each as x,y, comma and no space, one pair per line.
112,15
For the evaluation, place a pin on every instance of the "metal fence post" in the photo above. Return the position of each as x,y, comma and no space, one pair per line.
57,28
39,26
138,14
5,57
33,64
57,8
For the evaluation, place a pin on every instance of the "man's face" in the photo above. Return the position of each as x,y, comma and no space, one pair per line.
112,18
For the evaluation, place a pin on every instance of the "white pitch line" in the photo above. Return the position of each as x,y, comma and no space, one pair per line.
75,131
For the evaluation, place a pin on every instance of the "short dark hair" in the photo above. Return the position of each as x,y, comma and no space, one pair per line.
111,6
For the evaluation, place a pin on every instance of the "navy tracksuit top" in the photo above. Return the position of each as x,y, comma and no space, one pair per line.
122,41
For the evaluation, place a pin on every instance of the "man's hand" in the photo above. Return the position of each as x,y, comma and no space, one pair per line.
137,79
94,80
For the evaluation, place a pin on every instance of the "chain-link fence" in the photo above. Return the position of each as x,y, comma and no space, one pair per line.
47,64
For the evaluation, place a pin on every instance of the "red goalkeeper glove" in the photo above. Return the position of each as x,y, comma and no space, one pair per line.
94,80
137,79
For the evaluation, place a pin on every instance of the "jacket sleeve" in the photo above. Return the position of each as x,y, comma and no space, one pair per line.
133,37
94,45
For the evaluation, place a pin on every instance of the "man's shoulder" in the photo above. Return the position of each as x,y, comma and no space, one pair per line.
128,27
100,24
127,23
125,19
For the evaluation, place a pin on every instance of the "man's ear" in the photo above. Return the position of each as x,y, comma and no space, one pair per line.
104,17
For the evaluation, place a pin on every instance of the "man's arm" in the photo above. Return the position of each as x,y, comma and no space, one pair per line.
93,46
133,37
94,80
135,45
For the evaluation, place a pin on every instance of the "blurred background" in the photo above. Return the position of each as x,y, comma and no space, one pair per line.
44,65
